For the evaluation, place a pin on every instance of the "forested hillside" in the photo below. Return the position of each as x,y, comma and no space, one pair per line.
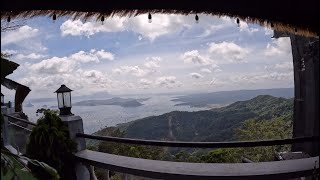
210,125
263,117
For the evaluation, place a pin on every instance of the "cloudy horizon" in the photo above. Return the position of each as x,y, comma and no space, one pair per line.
132,56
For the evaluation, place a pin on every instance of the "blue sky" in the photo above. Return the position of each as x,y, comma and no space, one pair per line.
130,55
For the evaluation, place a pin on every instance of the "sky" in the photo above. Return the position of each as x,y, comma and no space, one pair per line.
126,55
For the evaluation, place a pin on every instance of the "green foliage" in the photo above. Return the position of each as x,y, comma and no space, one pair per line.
11,167
230,155
211,125
138,151
44,110
8,164
50,142
184,156
252,129
261,118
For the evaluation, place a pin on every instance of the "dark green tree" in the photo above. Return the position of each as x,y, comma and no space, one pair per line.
252,129
50,143
138,151
226,155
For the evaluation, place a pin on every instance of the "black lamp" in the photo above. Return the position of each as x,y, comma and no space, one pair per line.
64,100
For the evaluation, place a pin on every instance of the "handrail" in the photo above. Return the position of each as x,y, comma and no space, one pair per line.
20,119
157,169
20,126
202,144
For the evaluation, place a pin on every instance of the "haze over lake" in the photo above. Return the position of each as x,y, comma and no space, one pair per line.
97,117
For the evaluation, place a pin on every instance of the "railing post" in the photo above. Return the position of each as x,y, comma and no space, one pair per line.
4,128
75,125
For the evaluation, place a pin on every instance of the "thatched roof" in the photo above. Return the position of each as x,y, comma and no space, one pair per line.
7,67
294,16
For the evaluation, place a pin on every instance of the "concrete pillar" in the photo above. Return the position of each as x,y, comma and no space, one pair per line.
75,125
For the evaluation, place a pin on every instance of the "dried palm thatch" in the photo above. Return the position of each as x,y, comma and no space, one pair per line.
7,67
285,15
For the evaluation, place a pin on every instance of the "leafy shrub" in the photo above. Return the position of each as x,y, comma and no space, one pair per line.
50,143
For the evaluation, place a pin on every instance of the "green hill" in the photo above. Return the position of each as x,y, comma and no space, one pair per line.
210,125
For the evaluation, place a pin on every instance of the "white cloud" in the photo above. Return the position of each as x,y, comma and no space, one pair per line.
245,28
216,82
194,57
255,78
78,28
84,57
87,81
205,70
287,66
168,81
117,71
96,78
212,29
153,62
268,31
92,74
29,56
196,75
288,76
215,68
67,64
92,56
9,51
102,54
145,82
229,51
161,24
21,34
283,67
53,65
133,70
280,46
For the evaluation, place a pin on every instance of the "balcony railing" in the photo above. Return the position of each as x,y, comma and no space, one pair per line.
182,170
202,144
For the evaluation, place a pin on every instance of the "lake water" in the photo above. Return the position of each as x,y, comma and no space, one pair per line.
98,117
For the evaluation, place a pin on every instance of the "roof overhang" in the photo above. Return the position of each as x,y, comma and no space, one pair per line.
299,17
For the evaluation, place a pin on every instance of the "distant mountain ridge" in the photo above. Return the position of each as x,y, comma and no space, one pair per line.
209,125
227,97
124,102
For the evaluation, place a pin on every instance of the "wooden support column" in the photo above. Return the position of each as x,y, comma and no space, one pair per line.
305,55
305,52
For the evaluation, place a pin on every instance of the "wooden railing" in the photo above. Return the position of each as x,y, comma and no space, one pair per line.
19,119
181,170
189,171
202,144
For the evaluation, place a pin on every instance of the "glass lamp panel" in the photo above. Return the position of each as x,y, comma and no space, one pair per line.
60,100
67,99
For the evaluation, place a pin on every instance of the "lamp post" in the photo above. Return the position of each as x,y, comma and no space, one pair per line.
2,99
64,100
